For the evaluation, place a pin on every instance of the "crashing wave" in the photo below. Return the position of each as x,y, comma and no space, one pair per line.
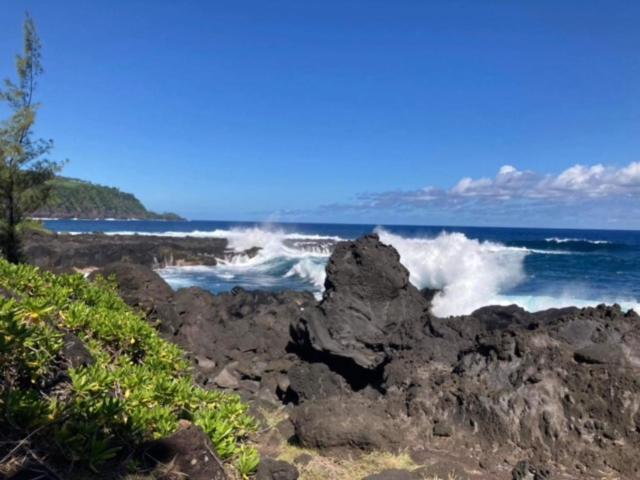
467,272
283,260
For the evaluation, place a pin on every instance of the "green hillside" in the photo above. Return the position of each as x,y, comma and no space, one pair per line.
72,198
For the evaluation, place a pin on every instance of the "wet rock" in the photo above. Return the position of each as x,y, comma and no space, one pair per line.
63,251
270,469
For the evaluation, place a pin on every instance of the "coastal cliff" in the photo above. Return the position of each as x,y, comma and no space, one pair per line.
73,198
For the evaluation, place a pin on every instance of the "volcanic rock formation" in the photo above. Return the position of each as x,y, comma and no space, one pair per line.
370,368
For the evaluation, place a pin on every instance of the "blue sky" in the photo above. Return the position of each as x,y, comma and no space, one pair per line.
348,111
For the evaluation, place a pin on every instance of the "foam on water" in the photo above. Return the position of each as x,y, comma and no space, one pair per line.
470,273
535,303
287,260
240,238
575,240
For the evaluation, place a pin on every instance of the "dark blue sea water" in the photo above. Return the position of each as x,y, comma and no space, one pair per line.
474,266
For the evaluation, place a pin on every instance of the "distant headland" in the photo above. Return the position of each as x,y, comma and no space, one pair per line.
72,198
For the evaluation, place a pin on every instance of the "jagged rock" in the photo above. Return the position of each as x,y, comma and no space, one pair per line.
251,327
368,368
311,381
367,297
190,453
97,250
226,379
270,469
525,471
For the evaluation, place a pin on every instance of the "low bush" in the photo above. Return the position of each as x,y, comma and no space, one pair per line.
134,387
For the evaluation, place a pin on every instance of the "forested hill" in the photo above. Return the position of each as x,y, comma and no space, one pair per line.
72,198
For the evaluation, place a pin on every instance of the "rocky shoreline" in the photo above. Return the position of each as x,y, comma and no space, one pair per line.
63,252
498,394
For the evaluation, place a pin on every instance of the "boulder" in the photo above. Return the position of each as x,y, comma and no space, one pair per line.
145,290
270,469
313,381
189,453
367,298
336,423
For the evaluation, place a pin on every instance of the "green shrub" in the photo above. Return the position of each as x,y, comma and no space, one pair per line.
138,388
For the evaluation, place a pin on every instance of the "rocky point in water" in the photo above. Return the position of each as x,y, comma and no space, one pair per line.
498,394
63,251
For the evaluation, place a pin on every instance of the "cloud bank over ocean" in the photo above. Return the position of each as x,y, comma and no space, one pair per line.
607,193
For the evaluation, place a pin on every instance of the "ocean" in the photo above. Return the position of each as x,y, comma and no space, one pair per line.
472,266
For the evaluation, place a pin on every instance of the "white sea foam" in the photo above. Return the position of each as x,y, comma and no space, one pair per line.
302,256
535,303
468,272
254,236
571,240
312,271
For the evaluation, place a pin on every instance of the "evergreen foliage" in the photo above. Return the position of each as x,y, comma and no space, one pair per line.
24,172
137,388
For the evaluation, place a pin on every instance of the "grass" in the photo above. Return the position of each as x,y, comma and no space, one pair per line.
322,467
138,388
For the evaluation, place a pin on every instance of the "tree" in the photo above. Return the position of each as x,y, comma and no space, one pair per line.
24,172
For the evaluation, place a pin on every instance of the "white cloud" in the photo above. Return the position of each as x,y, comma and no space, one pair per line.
511,185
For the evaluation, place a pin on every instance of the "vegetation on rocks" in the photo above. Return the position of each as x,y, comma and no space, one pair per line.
85,381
